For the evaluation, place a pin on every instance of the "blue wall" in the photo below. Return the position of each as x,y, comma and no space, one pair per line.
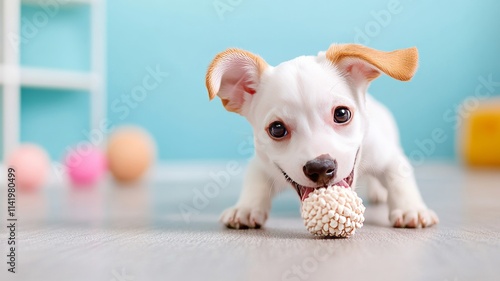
55,118
458,43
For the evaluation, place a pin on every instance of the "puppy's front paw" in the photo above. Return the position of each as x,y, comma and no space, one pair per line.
243,217
413,218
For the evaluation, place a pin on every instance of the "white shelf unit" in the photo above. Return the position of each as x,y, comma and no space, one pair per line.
13,76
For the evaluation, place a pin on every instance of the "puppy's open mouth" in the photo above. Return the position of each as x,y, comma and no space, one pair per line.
304,191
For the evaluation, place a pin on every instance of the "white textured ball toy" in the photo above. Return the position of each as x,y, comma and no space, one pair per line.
334,211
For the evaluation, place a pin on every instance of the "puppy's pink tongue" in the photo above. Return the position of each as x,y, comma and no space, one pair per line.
343,183
304,191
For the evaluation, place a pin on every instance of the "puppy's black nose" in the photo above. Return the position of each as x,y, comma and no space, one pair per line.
321,169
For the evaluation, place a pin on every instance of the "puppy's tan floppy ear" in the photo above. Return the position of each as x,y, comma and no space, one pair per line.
234,76
362,64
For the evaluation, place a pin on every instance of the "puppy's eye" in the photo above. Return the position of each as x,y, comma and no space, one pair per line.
277,130
341,115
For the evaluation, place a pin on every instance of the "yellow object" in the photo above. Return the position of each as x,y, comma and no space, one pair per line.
481,136
131,151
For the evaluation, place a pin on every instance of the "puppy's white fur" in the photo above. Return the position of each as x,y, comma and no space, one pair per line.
303,93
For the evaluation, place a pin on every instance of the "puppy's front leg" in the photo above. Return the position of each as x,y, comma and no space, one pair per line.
253,207
406,207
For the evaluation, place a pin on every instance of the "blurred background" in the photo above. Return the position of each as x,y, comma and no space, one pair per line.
91,88
174,41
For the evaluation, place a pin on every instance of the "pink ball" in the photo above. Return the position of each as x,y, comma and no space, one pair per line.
31,164
85,168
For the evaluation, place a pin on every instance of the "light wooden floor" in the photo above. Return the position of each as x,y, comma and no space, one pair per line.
138,233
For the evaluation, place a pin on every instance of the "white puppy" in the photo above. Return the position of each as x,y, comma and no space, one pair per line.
314,125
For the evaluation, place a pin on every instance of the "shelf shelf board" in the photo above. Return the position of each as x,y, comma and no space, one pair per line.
55,79
48,78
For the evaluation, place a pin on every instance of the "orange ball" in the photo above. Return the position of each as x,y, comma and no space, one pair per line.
131,151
